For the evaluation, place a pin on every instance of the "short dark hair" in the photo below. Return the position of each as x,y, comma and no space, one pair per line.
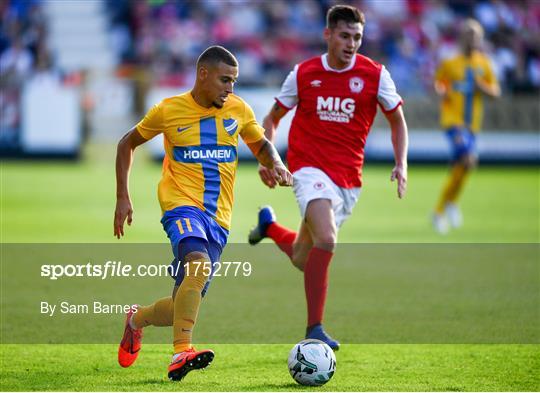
346,13
217,54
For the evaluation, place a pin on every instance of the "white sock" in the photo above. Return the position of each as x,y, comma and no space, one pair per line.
132,322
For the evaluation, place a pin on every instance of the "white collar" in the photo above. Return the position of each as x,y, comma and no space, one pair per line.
324,59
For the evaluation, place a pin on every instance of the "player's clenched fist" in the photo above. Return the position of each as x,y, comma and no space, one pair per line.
123,210
278,175
281,175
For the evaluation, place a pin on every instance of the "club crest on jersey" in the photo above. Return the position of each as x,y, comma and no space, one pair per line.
230,125
315,83
356,84
319,185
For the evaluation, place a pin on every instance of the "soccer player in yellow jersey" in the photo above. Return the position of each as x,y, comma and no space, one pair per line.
200,129
461,82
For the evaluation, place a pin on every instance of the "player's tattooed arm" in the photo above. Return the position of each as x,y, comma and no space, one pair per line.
268,157
124,161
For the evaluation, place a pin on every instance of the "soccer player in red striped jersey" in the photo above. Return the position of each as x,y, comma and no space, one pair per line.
336,96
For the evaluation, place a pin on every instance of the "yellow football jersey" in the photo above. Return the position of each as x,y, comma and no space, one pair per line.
463,106
199,167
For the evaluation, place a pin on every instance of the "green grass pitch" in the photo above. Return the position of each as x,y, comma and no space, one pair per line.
264,368
59,202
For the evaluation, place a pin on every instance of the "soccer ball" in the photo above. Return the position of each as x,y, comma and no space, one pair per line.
312,362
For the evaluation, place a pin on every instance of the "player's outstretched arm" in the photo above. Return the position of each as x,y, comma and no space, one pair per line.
400,142
269,158
124,161
270,124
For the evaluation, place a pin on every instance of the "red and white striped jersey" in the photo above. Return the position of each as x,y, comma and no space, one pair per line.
334,114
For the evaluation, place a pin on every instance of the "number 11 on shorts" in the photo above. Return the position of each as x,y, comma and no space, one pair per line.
187,225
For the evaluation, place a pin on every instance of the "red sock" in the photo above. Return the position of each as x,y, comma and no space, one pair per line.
316,283
282,236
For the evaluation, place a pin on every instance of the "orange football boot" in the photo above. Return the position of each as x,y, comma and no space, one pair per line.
189,360
131,342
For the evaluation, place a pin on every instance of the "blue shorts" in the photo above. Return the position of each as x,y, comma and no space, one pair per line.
462,142
187,222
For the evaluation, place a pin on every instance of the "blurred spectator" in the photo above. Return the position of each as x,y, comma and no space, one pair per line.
16,61
22,35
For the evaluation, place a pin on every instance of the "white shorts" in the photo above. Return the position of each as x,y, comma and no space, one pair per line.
312,183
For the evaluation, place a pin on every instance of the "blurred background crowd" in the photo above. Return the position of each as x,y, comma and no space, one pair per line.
156,42
269,37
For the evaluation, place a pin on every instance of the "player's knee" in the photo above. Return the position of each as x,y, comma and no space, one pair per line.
197,264
192,249
197,269
325,240
196,256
